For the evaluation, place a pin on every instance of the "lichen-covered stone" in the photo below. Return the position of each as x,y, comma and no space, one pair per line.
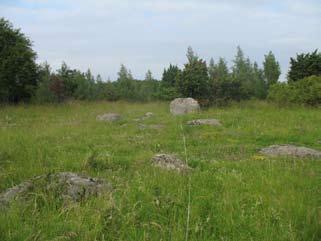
290,150
67,186
199,122
181,106
169,162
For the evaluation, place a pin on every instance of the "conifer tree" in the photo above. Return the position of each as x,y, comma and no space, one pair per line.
272,70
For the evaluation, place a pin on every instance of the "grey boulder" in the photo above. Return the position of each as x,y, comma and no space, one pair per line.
67,186
181,106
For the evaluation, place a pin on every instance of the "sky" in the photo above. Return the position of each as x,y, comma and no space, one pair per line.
151,34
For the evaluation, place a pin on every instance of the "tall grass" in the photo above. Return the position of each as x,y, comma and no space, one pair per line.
236,194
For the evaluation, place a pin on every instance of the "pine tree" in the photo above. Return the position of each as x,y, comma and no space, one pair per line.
222,71
260,84
193,81
168,87
191,56
243,73
272,70
149,76
125,83
169,76
212,69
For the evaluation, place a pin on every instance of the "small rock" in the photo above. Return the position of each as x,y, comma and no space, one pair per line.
199,122
148,114
170,162
66,185
290,150
181,106
109,117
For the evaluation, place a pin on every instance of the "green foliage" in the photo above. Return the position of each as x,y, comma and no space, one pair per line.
224,88
57,87
69,78
85,83
272,70
191,55
242,72
250,77
281,93
106,91
18,70
225,91
306,91
304,65
168,86
193,81
212,69
260,85
125,84
170,75
43,94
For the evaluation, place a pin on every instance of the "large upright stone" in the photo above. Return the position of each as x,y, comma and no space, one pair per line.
181,106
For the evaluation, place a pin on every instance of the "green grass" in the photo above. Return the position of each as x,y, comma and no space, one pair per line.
236,194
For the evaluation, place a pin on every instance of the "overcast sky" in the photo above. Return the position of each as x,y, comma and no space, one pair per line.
150,34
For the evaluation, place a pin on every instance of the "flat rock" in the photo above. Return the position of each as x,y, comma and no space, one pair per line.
109,117
148,114
199,122
67,186
170,162
181,106
152,126
290,150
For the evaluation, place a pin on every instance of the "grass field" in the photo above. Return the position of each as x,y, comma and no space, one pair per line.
236,193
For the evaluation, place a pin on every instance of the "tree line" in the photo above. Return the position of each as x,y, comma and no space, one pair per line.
22,79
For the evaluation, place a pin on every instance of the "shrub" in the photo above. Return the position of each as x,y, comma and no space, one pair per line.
306,91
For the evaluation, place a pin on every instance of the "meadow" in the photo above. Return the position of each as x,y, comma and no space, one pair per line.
235,192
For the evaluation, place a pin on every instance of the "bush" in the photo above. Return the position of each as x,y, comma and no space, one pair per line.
306,91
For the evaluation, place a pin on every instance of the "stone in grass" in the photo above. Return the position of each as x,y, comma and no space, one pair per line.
153,126
181,106
109,117
148,115
290,150
170,162
67,186
200,122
